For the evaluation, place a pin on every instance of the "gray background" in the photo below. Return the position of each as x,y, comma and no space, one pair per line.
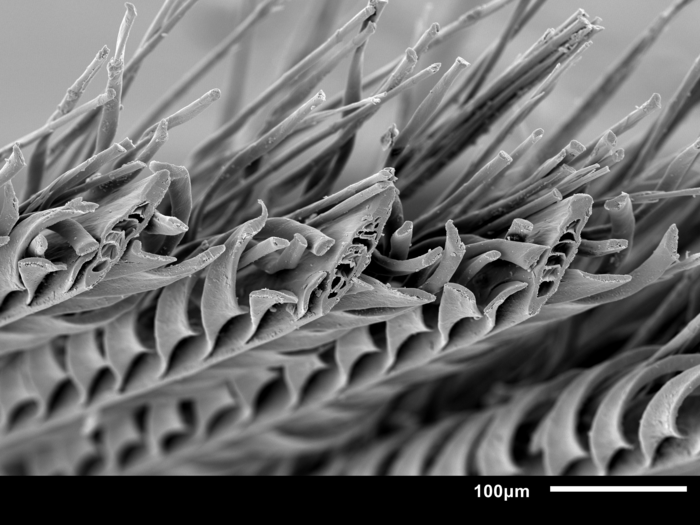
46,43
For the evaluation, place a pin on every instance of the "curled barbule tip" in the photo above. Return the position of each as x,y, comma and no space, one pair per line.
653,103
411,56
379,6
505,157
618,202
12,165
246,312
16,156
388,138
161,132
390,173
105,97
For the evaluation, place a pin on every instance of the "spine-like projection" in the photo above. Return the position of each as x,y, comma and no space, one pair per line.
409,339
247,317
633,414
379,338
256,287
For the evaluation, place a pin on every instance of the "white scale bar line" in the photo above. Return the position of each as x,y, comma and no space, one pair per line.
619,489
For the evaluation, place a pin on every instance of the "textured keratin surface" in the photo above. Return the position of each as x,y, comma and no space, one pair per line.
236,315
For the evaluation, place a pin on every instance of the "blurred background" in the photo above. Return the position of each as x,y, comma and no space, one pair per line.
46,44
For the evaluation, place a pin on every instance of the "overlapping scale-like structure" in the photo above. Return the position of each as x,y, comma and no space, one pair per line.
236,315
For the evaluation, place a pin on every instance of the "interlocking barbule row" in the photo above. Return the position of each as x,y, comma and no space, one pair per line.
154,320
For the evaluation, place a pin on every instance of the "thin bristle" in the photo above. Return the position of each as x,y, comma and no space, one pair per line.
109,122
98,102
493,301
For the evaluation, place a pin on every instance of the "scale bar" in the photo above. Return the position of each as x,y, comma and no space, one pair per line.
619,489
